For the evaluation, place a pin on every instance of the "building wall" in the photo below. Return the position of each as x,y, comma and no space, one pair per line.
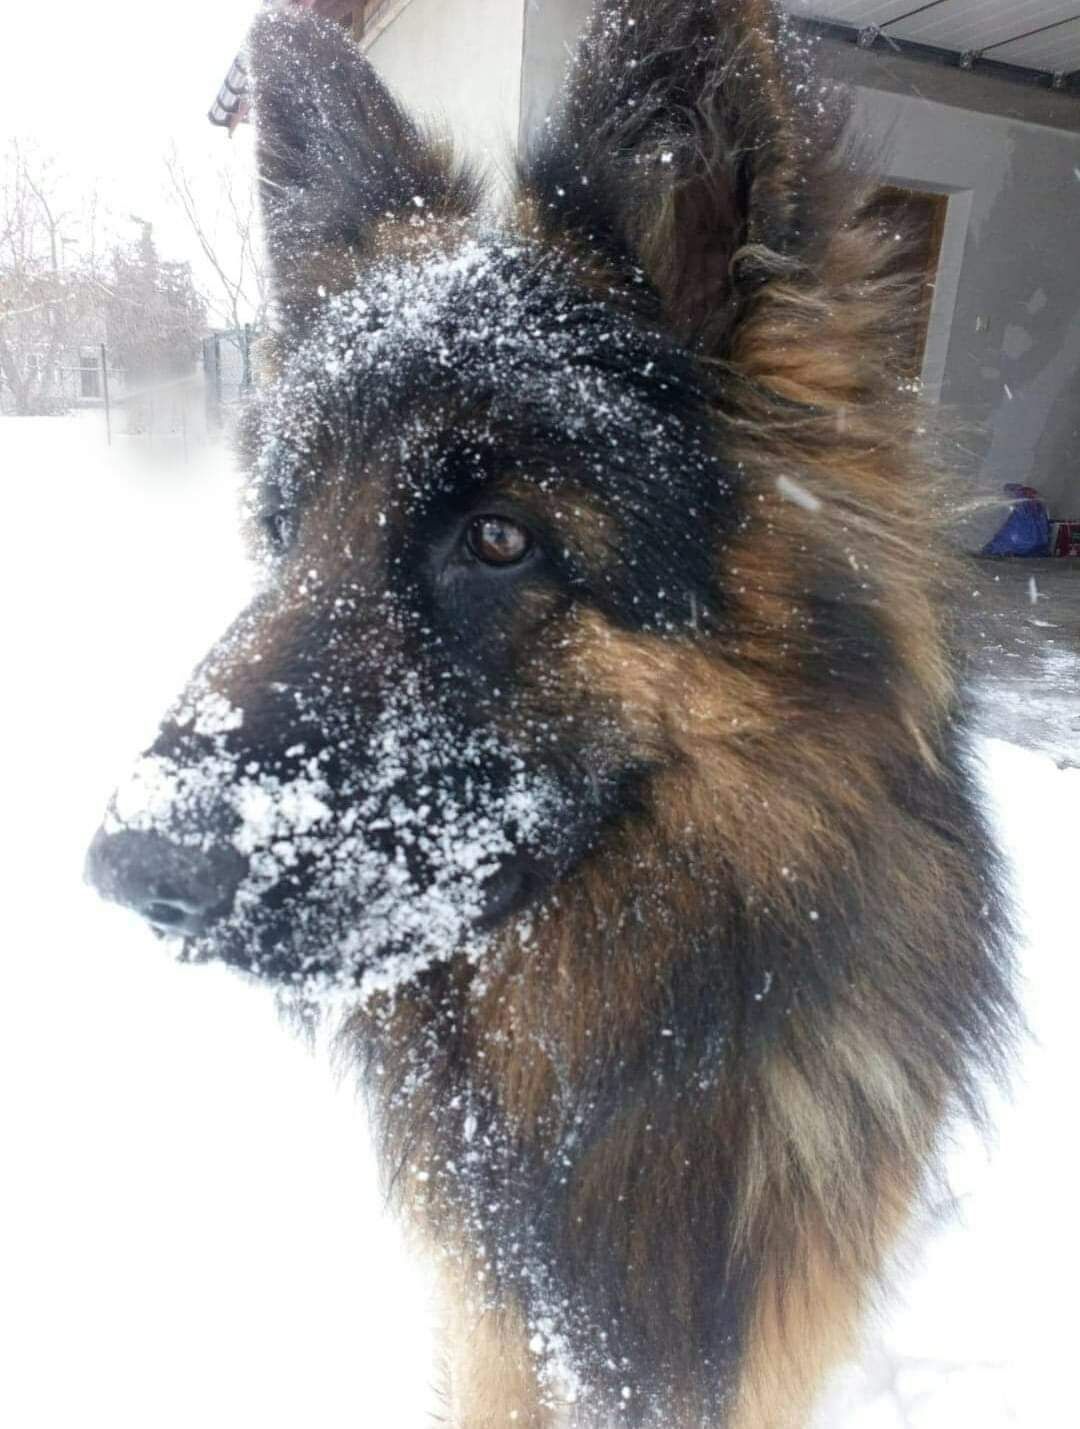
457,64
1005,333
1004,345
551,29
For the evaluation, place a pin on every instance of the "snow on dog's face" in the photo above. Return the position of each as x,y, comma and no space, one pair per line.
473,460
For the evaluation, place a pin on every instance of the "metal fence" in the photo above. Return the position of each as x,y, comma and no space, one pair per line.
179,409
227,368
74,378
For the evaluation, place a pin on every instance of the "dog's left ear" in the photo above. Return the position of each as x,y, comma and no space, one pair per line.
339,161
691,141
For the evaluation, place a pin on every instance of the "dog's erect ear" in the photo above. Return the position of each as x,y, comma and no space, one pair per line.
690,141
338,158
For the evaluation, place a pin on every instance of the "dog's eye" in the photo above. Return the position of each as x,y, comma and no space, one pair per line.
276,526
497,541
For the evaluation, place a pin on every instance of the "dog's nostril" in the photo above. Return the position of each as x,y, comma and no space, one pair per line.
166,915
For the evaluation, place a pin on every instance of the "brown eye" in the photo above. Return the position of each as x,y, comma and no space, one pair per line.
498,542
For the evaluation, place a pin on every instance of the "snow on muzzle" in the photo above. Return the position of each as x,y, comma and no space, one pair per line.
357,861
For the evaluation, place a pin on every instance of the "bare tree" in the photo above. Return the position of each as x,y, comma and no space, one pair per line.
154,314
226,228
45,293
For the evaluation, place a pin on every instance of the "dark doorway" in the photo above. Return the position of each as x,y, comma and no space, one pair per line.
915,220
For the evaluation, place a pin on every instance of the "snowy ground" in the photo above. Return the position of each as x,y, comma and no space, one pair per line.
191,1234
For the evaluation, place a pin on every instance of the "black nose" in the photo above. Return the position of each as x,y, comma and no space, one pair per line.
179,890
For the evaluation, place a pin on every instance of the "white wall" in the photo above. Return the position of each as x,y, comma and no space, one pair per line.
551,30
457,63
1005,335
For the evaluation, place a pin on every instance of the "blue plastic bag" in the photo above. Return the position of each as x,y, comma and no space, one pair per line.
1026,531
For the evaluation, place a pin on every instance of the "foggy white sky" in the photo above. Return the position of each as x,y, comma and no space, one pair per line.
107,84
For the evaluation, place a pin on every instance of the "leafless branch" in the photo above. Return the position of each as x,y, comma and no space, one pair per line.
235,262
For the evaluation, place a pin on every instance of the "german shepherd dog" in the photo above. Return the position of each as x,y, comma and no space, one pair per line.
594,733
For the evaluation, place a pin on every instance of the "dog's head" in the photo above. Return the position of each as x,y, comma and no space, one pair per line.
498,474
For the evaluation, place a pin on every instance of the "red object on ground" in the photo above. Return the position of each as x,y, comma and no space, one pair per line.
1065,538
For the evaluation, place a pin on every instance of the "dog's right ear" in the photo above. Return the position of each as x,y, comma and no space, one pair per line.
339,160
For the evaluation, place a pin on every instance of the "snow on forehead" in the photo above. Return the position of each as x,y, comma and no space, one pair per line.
494,298
500,318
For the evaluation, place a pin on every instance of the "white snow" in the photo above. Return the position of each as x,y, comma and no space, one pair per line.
191,1231
797,494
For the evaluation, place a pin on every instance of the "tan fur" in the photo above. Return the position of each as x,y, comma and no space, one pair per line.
802,1160
490,1380
804,1323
